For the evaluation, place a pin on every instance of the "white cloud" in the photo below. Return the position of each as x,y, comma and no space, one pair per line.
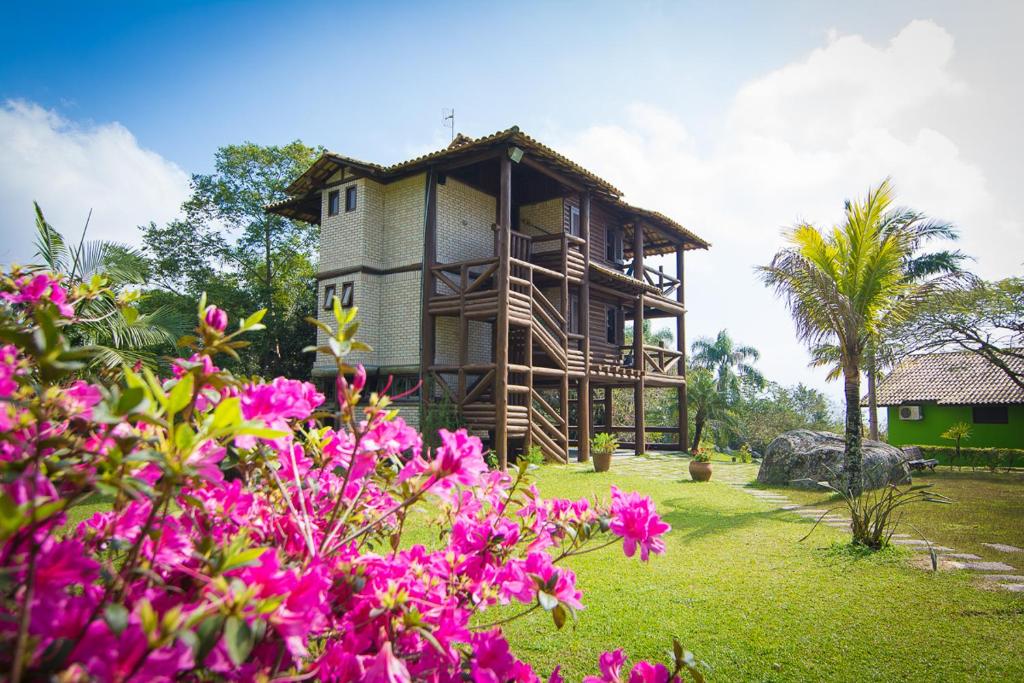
70,169
793,145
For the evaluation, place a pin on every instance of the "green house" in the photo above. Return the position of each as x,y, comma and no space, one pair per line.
929,392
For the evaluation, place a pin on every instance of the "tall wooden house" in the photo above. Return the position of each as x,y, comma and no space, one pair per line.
502,274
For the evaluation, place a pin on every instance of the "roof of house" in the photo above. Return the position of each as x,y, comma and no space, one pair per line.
299,205
953,378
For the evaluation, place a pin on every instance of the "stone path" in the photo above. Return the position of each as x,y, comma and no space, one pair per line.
738,476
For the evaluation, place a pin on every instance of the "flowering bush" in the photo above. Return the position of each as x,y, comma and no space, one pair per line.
242,539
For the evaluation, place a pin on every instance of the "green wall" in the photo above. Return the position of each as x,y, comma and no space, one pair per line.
938,419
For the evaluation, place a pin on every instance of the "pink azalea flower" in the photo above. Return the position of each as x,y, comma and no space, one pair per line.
635,520
611,664
645,672
10,367
215,318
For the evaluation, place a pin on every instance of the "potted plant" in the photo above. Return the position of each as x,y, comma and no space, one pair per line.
700,466
602,446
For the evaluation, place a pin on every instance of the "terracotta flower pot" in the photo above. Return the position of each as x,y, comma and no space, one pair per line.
602,461
700,471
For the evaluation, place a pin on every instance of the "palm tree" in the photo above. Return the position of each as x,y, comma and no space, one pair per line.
121,334
709,406
731,361
883,351
845,285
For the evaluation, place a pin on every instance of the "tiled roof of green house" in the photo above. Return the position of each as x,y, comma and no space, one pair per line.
953,378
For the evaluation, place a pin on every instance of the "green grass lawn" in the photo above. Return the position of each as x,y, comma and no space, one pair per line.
745,596
987,507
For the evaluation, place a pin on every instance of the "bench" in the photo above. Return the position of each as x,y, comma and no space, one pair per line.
916,460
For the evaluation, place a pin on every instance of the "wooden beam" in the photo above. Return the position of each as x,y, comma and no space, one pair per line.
684,416
583,414
554,175
501,324
427,281
638,345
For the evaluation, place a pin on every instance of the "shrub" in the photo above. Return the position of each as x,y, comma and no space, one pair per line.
603,442
875,514
992,458
534,455
245,541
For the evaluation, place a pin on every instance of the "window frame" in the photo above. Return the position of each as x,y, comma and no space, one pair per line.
574,221
333,202
611,325
330,291
614,247
574,313
351,198
998,414
348,293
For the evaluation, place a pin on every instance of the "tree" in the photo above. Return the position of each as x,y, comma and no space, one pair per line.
846,285
709,406
109,323
884,350
985,318
228,246
663,335
732,362
763,415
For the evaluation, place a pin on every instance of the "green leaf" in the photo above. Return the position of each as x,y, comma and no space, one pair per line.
228,413
246,558
559,616
184,437
180,395
116,617
209,631
239,639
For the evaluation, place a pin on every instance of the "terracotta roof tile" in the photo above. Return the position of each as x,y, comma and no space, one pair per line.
955,378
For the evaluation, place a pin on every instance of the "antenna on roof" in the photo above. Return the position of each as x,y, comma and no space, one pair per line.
448,120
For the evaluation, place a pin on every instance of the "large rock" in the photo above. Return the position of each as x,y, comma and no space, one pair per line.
803,457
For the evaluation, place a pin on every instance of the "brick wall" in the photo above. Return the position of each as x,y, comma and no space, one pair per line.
464,219
384,232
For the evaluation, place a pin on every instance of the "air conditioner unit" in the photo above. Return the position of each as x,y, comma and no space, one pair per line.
911,413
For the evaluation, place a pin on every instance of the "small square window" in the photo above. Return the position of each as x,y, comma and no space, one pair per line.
574,313
333,202
612,325
350,198
329,292
990,415
347,292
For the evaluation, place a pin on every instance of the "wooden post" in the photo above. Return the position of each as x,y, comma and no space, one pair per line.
427,331
640,441
684,414
564,296
529,376
608,408
501,324
583,409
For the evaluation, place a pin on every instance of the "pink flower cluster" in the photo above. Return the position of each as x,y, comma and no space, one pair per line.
39,288
245,541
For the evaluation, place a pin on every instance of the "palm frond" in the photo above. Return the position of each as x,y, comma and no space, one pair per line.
50,245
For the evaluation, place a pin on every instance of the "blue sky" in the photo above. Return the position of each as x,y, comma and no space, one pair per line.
372,79
737,119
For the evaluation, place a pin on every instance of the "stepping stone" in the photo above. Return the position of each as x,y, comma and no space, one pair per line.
960,556
1002,577
790,507
900,536
1013,587
1003,548
982,566
941,549
910,541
